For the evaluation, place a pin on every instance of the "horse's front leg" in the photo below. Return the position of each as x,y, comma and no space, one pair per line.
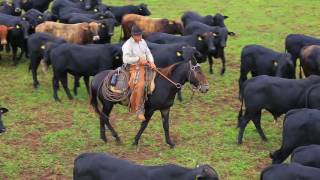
144,124
165,123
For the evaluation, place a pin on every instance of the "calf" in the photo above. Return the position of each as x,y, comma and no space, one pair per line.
81,33
294,44
16,36
216,20
149,25
120,11
259,60
2,127
301,127
277,95
85,5
81,60
307,155
220,41
310,60
313,97
292,171
37,45
202,42
92,166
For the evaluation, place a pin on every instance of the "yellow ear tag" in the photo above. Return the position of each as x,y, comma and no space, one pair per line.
9,4
179,54
170,22
17,26
43,47
95,10
200,38
39,17
275,63
23,18
117,57
101,17
214,34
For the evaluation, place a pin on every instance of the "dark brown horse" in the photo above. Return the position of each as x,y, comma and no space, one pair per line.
161,99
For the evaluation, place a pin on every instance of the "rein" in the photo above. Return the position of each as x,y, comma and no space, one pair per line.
178,85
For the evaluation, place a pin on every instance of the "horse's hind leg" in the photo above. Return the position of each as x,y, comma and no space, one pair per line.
143,126
105,118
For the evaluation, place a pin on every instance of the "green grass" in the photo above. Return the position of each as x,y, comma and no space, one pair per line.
44,137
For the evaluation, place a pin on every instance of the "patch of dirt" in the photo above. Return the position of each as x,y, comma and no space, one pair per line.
52,176
140,154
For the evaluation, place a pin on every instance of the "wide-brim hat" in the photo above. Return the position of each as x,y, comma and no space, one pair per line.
136,31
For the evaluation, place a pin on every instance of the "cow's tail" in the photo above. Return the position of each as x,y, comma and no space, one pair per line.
94,98
240,112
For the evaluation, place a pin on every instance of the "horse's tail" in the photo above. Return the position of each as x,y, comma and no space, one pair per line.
94,98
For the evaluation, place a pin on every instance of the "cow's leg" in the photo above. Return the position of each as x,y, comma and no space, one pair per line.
76,85
243,77
86,82
14,55
144,124
64,82
244,120
34,64
165,123
55,86
210,60
8,48
223,60
21,54
257,122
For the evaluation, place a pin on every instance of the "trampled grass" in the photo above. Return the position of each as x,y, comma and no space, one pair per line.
44,137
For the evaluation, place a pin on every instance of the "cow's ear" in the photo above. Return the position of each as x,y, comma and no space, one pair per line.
200,38
225,17
231,33
275,63
3,110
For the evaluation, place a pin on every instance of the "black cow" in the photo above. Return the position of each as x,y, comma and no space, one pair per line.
307,155
7,8
120,11
277,95
85,5
48,16
291,171
97,16
216,20
310,60
202,42
220,41
295,42
34,17
259,60
301,127
313,97
90,166
2,127
41,5
17,36
81,60
37,46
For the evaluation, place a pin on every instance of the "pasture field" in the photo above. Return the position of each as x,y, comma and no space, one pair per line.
44,137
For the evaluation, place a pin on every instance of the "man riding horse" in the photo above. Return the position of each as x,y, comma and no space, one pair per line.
139,58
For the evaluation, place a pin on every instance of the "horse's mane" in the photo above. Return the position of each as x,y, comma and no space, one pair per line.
167,71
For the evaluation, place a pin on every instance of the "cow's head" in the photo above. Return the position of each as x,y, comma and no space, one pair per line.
117,56
45,50
218,20
206,172
107,26
283,66
207,38
2,127
17,6
143,10
173,27
22,28
89,4
3,34
222,34
93,28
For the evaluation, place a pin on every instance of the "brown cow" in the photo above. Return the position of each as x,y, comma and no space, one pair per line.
81,33
3,36
310,60
150,25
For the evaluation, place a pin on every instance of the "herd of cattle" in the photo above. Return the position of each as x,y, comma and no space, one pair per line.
75,38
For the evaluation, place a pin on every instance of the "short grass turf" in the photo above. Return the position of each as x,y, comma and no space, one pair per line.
44,137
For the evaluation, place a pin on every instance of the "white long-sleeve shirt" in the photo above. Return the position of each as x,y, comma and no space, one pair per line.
132,51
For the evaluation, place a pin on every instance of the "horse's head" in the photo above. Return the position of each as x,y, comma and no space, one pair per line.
196,77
